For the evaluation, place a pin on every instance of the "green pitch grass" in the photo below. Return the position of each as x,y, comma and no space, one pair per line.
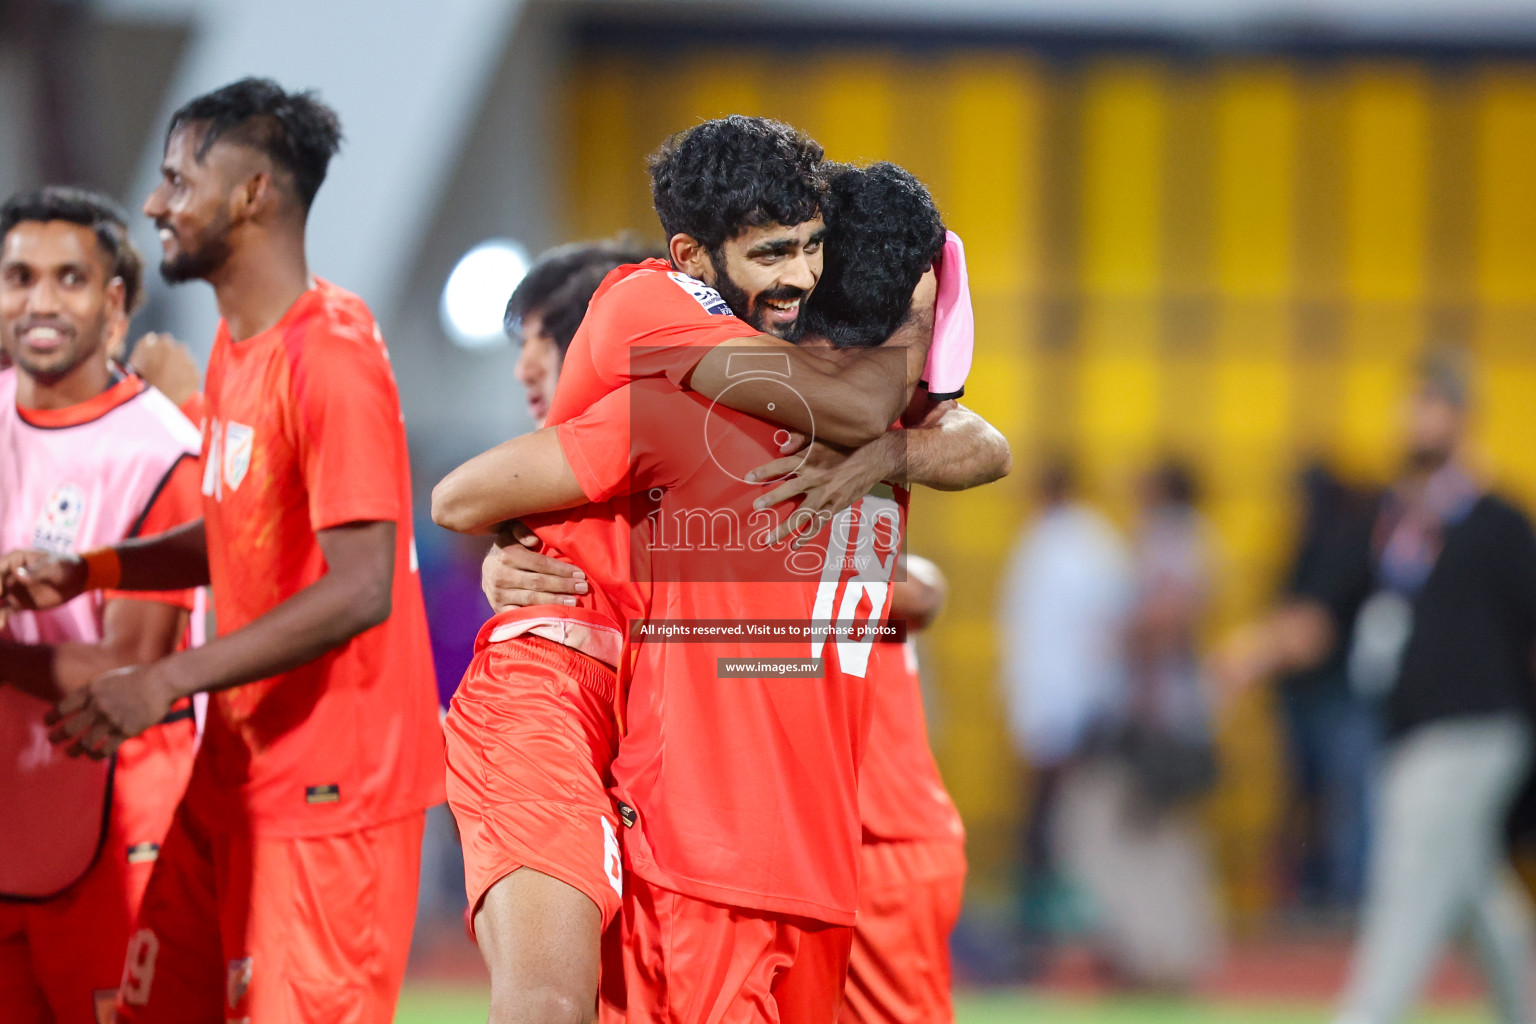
434,1005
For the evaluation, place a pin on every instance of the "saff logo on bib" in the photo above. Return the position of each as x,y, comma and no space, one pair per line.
239,439
62,512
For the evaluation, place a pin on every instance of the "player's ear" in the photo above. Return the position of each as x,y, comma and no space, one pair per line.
254,195
117,338
117,318
117,299
690,256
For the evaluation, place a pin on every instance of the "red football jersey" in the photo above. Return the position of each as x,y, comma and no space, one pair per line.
303,432
745,786
644,320
901,795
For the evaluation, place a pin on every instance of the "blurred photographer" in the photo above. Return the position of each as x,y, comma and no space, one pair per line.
1435,603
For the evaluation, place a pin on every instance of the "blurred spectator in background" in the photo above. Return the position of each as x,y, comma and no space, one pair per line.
1331,730
1130,825
1064,607
1436,607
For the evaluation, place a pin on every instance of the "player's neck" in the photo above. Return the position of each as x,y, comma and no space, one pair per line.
259,283
82,384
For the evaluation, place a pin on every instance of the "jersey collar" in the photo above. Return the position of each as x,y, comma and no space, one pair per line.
84,412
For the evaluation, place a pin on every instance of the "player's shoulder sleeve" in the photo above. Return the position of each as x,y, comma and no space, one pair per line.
344,416
644,435
657,322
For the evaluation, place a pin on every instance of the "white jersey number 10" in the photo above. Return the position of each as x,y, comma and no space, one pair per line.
862,547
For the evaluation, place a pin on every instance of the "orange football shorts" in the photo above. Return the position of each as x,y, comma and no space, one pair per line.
531,736
310,930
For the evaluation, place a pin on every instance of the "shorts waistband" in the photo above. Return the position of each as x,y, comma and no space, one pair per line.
585,669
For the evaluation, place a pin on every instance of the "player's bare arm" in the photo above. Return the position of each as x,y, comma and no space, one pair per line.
354,595
851,396
174,560
950,448
530,474
516,478
945,447
133,633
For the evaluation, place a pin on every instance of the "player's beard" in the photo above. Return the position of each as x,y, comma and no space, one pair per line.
751,309
205,257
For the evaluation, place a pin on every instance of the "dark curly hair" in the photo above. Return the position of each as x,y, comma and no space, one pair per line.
883,232
716,179
561,281
91,210
295,130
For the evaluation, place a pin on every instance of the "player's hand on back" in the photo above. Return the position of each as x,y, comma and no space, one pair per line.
34,580
830,478
94,720
515,575
168,365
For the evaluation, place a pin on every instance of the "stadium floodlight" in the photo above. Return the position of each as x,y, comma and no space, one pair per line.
476,294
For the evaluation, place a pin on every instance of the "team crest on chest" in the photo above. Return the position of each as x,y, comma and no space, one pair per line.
239,440
60,522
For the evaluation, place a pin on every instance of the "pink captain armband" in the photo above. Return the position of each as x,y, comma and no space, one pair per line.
954,326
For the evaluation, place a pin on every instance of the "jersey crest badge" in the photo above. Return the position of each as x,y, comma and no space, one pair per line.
60,522
702,293
239,439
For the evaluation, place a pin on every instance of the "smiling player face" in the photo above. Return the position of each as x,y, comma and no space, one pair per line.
766,273
190,206
58,299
